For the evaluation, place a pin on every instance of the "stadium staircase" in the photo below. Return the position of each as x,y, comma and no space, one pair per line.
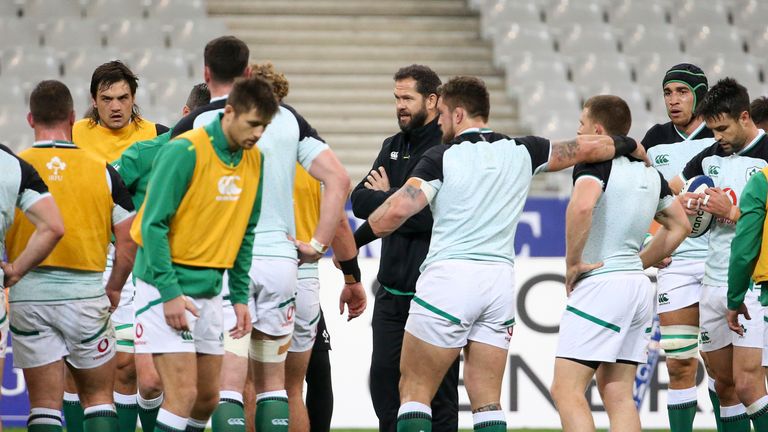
340,55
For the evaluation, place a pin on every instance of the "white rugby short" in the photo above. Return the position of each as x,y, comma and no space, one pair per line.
715,333
461,300
307,315
608,318
273,289
79,331
3,324
679,285
154,336
124,314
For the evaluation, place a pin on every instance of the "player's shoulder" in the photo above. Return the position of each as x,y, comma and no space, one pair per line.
187,122
661,133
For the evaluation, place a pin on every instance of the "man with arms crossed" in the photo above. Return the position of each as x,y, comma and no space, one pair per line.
60,310
203,201
741,151
403,252
476,187
610,299
670,146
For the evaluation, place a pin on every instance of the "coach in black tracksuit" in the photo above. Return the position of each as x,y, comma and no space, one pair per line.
402,252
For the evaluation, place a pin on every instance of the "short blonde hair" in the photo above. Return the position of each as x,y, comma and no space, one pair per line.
277,79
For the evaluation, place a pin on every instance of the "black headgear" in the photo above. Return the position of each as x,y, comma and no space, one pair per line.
690,75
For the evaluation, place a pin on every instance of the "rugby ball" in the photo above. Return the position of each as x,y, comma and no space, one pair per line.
701,221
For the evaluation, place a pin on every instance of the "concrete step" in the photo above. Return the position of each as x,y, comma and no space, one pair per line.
298,97
353,67
375,82
386,126
365,111
456,38
357,53
409,24
340,7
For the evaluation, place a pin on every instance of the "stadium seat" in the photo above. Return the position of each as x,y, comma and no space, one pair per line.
111,9
633,12
13,91
568,12
632,94
81,95
65,33
546,98
581,39
531,67
20,32
642,121
702,40
749,14
174,9
80,63
152,65
610,69
505,12
192,35
757,42
130,33
522,38
711,13
30,64
46,9
747,71
13,121
650,68
170,93
646,39
11,10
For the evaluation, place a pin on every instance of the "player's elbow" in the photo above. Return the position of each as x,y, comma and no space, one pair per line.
55,229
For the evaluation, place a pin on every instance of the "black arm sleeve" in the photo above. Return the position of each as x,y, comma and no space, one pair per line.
693,167
120,194
161,129
430,166
599,170
30,179
664,191
538,148
364,200
652,137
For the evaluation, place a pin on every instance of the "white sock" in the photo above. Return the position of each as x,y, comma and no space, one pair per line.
276,393
230,396
681,396
414,407
488,416
149,404
97,408
71,397
124,399
197,424
171,420
732,411
44,416
757,405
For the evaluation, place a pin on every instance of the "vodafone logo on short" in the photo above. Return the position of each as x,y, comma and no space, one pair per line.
103,345
290,312
139,331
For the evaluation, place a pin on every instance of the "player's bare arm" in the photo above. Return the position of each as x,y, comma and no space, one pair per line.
345,250
49,228
125,253
327,168
406,202
578,221
592,148
674,229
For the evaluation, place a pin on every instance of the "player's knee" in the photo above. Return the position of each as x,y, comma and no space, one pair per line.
207,400
270,351
748,387
680,342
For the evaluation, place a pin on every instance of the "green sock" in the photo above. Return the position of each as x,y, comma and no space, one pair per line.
272,411
681,416
716,409
148,409
229,415
73,413
44,420
491,426
100,418
759,414
195,425
127,410
414,421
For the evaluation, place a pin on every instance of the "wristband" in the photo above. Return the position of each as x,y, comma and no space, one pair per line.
623,145
351,270
364,235
318,247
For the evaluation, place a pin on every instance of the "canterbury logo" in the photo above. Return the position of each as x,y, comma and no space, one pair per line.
56,165
186,335
280,422
236,422
663,298
704,337
228,189
661,159
713,170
